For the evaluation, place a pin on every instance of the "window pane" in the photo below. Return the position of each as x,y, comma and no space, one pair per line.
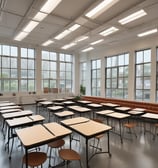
6,50
108,62
23,63
139,57
14,51
23,52
31,53
53,56
147,69
31,64
45,55
147,56
61,57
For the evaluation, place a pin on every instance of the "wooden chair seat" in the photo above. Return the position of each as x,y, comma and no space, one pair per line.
56,144
69,154
130,125
35,158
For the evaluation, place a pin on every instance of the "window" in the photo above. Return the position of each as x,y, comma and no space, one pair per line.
83,68
27,81
8,68
143,73
49,69
65,63
95,77
116,79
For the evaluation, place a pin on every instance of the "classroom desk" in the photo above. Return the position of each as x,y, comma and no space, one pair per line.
6,104
79,109
20,122
63,114
7,116
83,102
10,107
122,109
9,111
37,102
119,117
135,112
68,103
104,112
95,107
151,119
59,100
83,126
44,104
54,109
109,106
49,132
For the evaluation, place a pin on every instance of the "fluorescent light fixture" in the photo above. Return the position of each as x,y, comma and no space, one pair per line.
49,6
40,16
30,26
67,31
100,8
20,36
48,42
74,27
132,17
68,46
147,33
62,35
87,49
96,42
108,31
81,38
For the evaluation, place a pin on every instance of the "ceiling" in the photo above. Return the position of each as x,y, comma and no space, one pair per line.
15,14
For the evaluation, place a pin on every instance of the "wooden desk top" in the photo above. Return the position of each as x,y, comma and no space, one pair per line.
9,111
90,128
134,112
40,100
17,114
104,112
34,135
79,108
9,107
64,113
6,104
150,116
54,108
94,105
84,101
45,103
75,120
110,104
123,108
57,129
139,109
68,102
118,115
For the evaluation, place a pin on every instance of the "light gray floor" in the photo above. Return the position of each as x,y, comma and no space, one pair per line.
140,152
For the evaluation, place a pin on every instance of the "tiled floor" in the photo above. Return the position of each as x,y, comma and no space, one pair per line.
140,152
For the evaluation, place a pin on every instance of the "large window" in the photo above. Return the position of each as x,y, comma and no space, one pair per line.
27,81
95,77
8,68
49,69
143,73
116,79
83,68
65,83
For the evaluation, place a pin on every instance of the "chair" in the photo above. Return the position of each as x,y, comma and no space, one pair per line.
35,159
58,144
69,155
98,137
130,126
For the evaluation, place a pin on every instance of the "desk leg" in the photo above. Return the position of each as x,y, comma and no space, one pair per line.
86,153
120,131
26,154
108,144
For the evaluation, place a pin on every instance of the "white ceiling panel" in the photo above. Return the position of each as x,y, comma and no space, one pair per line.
15,14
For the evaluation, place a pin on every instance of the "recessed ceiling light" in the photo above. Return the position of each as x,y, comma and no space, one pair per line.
48,42
96,42
147,33
30,26
67,31
20,36
40,16
81,38
108,31
49,6
100,8
88,49
133,17
68,46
